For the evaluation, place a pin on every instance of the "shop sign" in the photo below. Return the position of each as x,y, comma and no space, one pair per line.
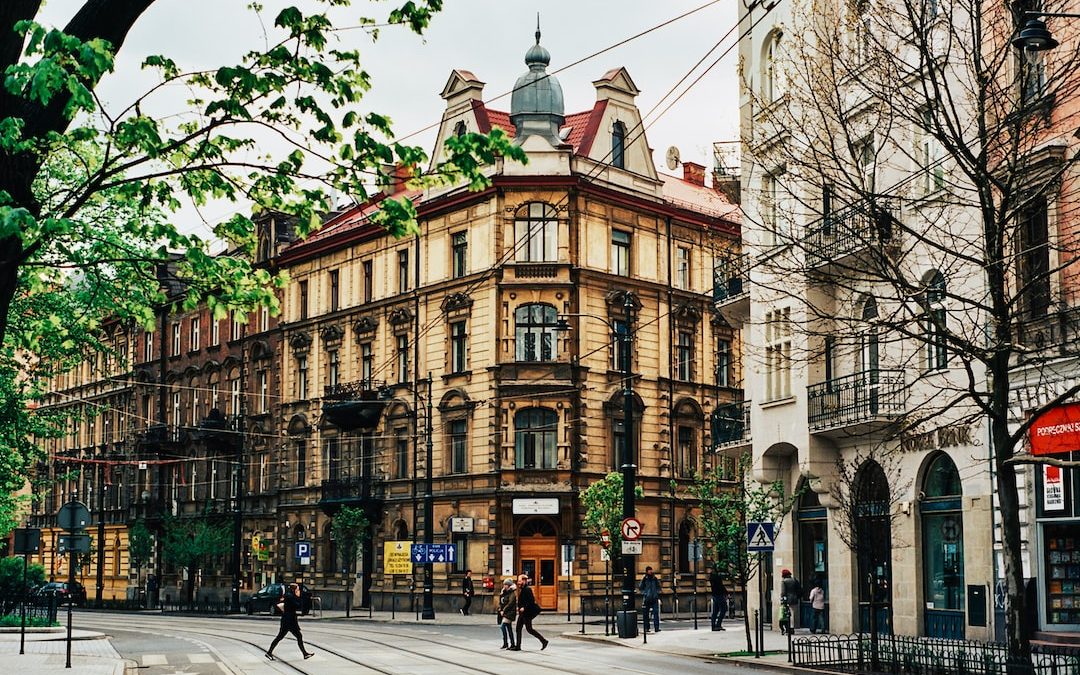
1053,488
953,436
1056,430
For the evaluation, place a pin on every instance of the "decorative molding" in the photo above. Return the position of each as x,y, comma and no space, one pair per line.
616,300
400,316
300,342
686,313
365,324
331,333
456,301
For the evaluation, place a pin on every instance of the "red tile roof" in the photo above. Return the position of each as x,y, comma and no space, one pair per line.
582,125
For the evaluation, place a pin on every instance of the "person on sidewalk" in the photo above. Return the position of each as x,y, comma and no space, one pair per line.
791,591
817,603
528,609
719,595
650,597
289,605
467,592
785,616
507,613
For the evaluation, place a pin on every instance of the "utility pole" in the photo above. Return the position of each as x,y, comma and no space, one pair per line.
627,620
101,536
429,512
238,510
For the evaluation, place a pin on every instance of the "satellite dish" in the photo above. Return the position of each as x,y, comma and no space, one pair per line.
672,158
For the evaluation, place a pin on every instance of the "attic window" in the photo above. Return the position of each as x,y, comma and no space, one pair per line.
618,142
459,129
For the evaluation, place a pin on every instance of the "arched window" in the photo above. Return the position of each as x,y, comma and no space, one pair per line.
534,438
536,234
872,539
943,548
618,145
937,355
535,326
460,129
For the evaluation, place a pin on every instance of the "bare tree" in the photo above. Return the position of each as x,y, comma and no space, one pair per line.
912,175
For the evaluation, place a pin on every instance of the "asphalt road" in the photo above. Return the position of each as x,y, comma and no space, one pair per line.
171,645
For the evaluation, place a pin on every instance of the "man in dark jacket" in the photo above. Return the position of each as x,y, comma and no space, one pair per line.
791,591
289,605
528,609
650,597
719,596
467,592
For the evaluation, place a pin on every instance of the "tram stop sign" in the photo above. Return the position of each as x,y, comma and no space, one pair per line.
73,517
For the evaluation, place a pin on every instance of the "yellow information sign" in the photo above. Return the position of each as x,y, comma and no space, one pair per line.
396,559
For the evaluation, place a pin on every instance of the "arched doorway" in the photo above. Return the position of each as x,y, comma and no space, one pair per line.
943,549
873,548
813,564
538,551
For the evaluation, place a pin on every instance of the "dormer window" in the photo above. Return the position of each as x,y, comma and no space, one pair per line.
618,145
460,129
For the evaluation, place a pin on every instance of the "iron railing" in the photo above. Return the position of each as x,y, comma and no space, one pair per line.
731,424
348,489
865,224
731,277
358,390
895,654
857,398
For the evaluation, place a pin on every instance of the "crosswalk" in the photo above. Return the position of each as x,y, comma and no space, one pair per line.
161,660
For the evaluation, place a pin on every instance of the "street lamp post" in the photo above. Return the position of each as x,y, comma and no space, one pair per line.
428,610
1035,37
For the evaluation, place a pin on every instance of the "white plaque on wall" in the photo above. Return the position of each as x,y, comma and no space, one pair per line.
461,524
546,505
508,560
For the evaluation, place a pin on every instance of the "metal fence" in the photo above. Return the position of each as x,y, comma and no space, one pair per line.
35,609
857,398
896,654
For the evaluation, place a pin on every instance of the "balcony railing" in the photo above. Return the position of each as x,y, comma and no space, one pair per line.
359,390
731,424
536,271
864,225
731,277
868,396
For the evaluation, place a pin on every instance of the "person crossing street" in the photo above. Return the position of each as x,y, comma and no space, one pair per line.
528,609
289,605
467,592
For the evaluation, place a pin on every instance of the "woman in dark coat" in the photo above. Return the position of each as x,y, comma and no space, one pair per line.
507,613
528,609
289,605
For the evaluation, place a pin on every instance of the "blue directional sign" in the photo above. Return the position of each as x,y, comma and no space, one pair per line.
759,537
433,553
303,549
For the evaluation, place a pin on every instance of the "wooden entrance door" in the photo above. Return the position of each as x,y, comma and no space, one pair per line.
538,556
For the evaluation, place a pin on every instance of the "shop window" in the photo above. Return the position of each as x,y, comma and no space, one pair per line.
943,548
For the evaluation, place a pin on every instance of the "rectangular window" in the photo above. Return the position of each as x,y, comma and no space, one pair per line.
536,236
725,376
236,327
930,155
1033,74
768,209
332,459
333,369
234,396
148,346
177,418
301,463
303,299
264,319
401,454
214,398
335,290
263,382
403,271
684,354
937,352
620,253
367,362
369,281
830,358
460,252
618,442
301,378
1034,258
621,350
728,470
458,347
403,358
687,455
215,332
682,268
778,354
866,161
460,540
459,446
195,334
175,339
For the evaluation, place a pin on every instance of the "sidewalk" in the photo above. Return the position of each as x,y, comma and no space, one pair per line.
46,652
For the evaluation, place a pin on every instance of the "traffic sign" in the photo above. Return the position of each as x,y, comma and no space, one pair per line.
73,516
27,540
759,537
303,552
396,557
433,553
631,547
73,543
631,529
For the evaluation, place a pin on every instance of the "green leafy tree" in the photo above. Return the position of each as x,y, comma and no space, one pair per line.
350,529
88,187
603,502
140,546
192,542
724,509
11,580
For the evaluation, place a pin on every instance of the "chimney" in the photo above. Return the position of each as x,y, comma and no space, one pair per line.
394,176
693,173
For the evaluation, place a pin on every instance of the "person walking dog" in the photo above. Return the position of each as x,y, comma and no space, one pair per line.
507,613
289,605
467,592
528,609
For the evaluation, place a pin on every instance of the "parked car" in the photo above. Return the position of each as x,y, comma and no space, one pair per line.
267,598
63,591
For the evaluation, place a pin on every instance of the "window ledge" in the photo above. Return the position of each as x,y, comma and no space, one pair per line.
778,402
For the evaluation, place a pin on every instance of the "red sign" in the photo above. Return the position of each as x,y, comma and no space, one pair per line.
1057,430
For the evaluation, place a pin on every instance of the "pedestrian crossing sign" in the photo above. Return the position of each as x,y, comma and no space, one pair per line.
759,537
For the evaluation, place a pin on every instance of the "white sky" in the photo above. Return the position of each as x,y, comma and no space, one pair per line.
487,37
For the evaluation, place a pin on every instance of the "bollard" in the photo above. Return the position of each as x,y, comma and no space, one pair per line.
790,631
645,622
757,649
393,606
583,618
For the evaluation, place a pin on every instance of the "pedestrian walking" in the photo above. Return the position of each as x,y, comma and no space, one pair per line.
650,597
817,603
718,593
507,613
289,605
467,592
791,591
527,610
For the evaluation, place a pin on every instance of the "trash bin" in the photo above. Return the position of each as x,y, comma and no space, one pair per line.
626,623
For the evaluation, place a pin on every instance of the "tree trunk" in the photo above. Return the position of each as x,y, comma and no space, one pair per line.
746,619
1017,630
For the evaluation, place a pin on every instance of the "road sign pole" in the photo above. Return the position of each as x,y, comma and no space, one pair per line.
22,614
70,599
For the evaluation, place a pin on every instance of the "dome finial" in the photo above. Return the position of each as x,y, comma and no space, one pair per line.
538,28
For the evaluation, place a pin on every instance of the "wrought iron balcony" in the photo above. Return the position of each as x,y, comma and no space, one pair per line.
731,425
868,226
355,405
160,435
218,429
856,403
731,287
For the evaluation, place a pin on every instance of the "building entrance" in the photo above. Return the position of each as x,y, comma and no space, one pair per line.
538,551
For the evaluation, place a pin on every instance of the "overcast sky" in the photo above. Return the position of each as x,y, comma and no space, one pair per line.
487,37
